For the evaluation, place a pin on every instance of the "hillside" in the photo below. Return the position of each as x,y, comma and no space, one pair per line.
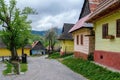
42,33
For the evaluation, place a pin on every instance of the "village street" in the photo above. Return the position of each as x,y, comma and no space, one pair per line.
40,68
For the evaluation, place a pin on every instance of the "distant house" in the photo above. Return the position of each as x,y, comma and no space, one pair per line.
37,48
5,52
106,20
83,33
66,39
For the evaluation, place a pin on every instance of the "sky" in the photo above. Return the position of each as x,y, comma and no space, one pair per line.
52,13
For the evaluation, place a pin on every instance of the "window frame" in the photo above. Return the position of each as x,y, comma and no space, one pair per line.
77,39
118,29
81,39
105,31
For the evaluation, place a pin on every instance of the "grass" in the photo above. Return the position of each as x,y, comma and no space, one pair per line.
8,68
56,55
23,67
90,70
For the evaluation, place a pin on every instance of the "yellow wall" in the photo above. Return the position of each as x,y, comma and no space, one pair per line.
26,51
6,52
67,45
107,44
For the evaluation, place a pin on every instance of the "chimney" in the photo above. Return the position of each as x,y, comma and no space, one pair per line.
93,4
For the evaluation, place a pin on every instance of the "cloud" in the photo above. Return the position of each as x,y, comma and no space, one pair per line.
52,12
56,21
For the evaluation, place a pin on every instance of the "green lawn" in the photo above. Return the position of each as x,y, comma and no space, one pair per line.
57,55
9,67
90,70
23,67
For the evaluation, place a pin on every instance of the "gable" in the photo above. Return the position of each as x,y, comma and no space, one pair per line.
85,9
38,46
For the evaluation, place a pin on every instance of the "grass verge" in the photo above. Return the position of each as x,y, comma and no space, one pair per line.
90,70
57,55
8,68
23,67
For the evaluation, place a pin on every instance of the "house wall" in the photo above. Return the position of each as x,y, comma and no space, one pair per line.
82,51
34,52
107,51
67,46
6,52
26,51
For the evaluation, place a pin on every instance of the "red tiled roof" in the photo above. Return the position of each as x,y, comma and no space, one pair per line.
102,9
81,23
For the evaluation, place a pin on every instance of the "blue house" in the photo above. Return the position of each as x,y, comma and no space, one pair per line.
37,48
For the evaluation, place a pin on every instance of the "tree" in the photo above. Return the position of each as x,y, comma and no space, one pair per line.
51,37
15,26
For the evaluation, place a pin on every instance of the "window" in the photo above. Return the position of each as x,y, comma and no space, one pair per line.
81,40
118,28
104,31
77,39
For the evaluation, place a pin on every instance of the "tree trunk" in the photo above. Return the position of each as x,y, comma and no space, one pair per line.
49,48
14,55
22,50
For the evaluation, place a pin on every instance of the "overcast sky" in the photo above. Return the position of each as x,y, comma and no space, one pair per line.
52,13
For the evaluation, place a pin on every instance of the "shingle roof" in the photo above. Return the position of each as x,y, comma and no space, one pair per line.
81,24
38,46
105,7
65,32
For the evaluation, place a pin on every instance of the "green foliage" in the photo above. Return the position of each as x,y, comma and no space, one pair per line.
8,68
17,28
56,55
90,70
23,67
51,37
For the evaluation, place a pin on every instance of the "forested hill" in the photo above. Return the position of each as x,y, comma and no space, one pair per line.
42,33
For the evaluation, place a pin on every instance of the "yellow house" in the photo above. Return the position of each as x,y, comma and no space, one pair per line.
5,52
106,20
66,40
83,33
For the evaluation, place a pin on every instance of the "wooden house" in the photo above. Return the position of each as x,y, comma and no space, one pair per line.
83,33
66,39
5,52
106,20
37,48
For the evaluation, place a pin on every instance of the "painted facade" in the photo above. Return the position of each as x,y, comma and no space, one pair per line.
6,52
66,39
83,33
66,46
37,48
82,50
107,50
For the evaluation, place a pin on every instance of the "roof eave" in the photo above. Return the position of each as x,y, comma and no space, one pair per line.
94,16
